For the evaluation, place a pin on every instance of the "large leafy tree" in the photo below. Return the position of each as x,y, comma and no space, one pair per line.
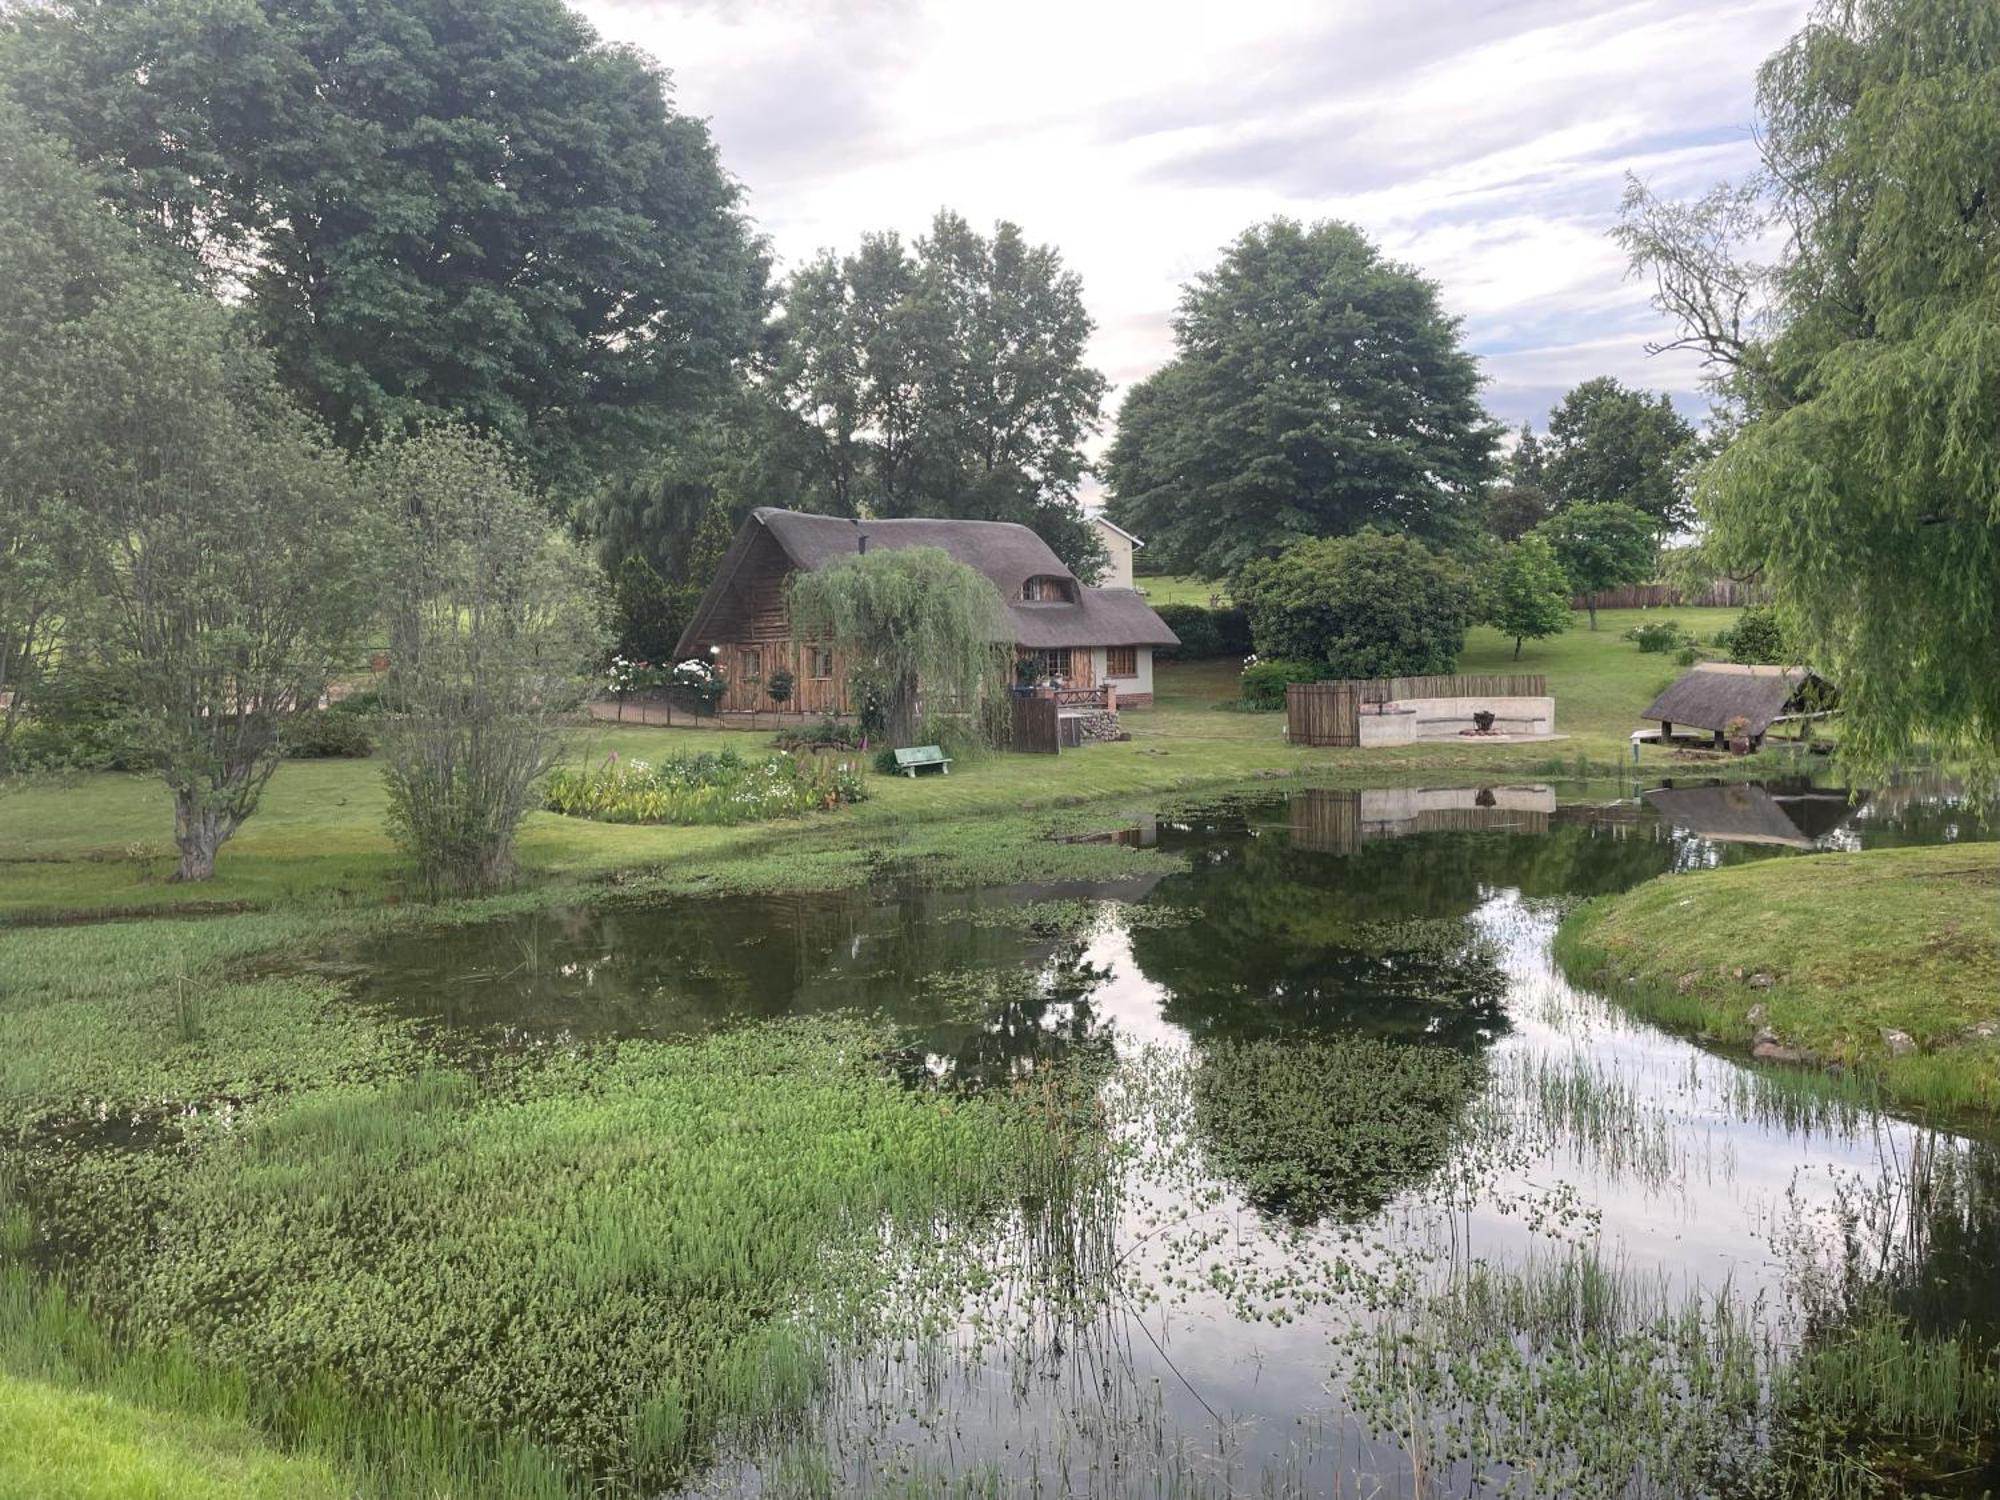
921,631
213,562
61,257
1602,545
944,378
1862,370
1377,604
1608,442
1317,388
739,451
466,204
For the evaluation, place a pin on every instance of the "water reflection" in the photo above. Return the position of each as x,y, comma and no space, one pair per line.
1343,1075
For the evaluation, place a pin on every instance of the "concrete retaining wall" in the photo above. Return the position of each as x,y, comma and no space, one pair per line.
1412,719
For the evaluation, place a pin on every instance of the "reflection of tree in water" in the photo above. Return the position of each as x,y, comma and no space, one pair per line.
1318,1127
1340,1002
976,1003
1925,1245
1289,936
1917,1310
1009,1022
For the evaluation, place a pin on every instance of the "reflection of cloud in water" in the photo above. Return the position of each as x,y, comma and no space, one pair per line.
1223,1345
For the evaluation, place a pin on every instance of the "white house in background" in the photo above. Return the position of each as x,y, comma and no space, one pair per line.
1120,544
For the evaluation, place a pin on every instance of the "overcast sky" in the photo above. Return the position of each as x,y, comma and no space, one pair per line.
1485,141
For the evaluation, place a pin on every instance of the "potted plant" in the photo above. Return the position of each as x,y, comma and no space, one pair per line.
1482,720
1737,733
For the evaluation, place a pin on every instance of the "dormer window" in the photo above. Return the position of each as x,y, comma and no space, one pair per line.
1046,588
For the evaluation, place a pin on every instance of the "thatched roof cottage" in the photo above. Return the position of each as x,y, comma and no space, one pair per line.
1714,695
1088,637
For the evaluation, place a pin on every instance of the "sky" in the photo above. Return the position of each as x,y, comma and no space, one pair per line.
1485,142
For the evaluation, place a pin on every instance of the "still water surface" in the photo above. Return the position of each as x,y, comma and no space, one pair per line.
1225,1343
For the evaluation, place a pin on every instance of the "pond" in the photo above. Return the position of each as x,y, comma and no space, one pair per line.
1378,1168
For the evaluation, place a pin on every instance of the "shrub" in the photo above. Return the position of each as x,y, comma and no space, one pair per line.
326,733
1758,639
79,719
1205,633
495,625
778,686
1689,655
827,734
712,787
1375,604
1659,635
1264,682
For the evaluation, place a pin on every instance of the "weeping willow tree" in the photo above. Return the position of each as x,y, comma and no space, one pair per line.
919,630
1861,371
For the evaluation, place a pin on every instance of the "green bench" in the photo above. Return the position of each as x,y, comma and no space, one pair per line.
914,759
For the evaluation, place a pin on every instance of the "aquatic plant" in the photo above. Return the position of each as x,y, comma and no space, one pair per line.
611,1256
1312,1127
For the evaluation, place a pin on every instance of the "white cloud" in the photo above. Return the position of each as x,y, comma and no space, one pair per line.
1485,142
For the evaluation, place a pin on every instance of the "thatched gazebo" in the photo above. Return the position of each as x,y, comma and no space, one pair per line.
1716,696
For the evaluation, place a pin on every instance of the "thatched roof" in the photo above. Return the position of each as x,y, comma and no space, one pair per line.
1742,814
1007,554
1713,694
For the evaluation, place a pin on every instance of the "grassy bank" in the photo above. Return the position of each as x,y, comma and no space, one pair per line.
1881,962
375,1259
103,843
60,1444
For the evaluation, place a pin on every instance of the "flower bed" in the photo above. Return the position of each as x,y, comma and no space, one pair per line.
721,787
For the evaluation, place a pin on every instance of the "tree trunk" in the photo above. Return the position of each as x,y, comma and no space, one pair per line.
1590,603
199,831
1517,648
899,728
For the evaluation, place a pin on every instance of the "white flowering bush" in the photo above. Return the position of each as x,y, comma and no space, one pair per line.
699,677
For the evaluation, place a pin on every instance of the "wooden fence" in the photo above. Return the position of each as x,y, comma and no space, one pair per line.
1329,713
1722,593
1323,713
1034,729
1446,685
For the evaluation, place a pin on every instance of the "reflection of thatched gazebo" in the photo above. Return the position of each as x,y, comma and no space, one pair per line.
1745,814
1716,695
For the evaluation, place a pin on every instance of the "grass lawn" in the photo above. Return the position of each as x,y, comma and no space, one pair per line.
1600,680
104,842
58,1444
1853,946
1180,588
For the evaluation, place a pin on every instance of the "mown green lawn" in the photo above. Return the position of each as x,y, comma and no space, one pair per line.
1181,588
1830,952
1601,680
104,842
58,1444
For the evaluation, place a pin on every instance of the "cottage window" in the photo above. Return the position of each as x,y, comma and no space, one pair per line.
1051,662
1045,589
820,664
752,664
1121,661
